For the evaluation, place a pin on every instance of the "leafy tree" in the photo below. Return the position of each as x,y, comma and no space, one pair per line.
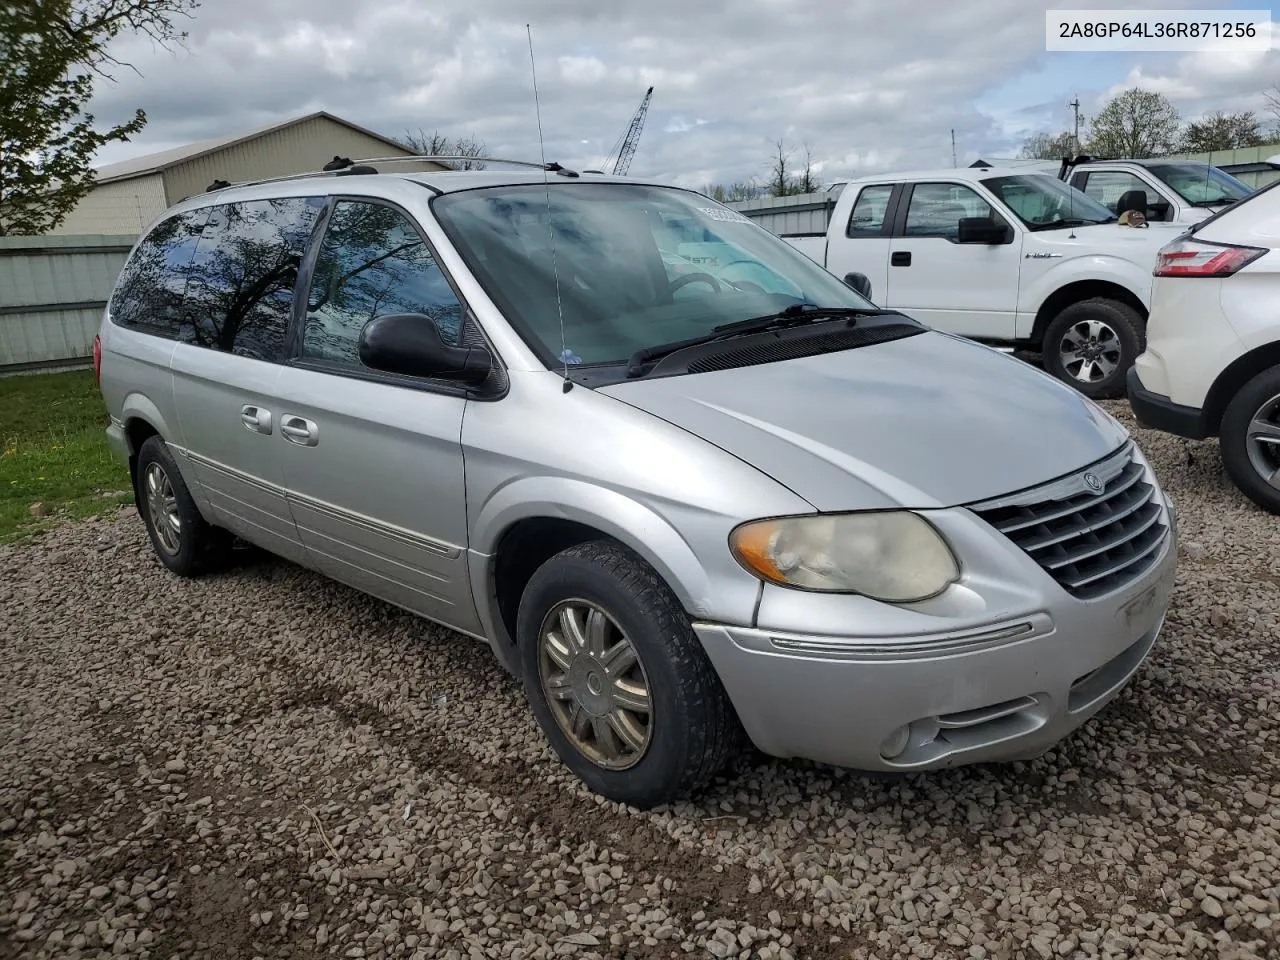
436,144
1048,146
1222,131
1136,124
53,53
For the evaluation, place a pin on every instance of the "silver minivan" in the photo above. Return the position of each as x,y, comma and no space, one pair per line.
694,491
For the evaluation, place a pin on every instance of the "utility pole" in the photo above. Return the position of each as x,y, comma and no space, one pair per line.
953,146
1075,105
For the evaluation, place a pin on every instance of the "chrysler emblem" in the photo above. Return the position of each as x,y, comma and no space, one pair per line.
1092,482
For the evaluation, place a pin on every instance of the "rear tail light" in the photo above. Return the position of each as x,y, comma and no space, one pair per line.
97,359
1196,258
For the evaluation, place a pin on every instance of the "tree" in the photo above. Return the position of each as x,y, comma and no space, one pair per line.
1222,131
1136,124
437,144
808,181
1048,146
734,192
1272,98
54,52
780,183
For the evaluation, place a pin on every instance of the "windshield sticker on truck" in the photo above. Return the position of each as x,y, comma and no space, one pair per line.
725,216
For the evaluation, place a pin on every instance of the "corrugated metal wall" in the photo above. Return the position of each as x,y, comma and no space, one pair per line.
805,214
52,291
123,207
296,149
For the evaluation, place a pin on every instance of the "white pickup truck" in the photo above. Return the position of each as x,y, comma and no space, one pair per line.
1004,256
1176,191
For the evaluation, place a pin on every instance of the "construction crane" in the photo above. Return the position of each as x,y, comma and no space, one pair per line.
626,147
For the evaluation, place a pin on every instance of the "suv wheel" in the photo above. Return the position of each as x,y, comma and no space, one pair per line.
1092,344
1250,438
617,679
183,540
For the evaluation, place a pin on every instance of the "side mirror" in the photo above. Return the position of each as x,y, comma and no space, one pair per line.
982,230
410,344
860,282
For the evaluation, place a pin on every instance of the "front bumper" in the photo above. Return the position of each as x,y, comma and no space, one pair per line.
1007,689
1157,412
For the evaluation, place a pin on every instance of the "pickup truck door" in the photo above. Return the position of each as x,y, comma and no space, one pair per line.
970,289
859,242
1109,186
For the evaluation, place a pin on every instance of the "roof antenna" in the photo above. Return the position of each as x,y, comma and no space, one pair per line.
551,230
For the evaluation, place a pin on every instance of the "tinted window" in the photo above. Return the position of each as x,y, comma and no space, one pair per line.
1108,186
936,209
867,219
240,291
372,262
148,293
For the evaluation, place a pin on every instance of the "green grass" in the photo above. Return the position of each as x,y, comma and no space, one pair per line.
53,450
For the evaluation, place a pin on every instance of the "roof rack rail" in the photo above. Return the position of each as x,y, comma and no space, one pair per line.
552,166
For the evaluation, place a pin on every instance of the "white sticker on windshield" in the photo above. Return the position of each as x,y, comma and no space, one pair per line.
727,216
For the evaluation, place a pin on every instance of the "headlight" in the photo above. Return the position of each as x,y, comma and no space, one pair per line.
895,556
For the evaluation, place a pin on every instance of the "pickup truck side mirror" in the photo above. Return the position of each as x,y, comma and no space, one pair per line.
983,230
410,344
860,282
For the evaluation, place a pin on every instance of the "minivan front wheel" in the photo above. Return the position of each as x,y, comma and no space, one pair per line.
617,679
1250,439
183,540
1092,344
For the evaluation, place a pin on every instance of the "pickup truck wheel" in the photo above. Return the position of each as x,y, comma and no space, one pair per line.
1092,344
617,679
1250,439
183,540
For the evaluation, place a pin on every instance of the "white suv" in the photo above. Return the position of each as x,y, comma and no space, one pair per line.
1212,362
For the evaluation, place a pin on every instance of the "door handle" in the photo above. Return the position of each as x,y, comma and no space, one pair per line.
900,258
299,430
255,418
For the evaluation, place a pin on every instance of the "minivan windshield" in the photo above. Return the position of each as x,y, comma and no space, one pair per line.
1043,202
635,266
1200,184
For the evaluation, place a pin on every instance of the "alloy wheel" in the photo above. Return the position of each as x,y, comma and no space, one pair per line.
162,508
595,684
1262,441
1090,351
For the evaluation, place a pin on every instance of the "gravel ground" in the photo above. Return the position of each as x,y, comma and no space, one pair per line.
266,764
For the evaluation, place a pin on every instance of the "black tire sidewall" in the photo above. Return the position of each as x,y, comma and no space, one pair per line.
1232,439
193,548
661,641
1122,318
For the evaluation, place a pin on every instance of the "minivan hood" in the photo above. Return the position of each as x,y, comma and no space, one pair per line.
930,420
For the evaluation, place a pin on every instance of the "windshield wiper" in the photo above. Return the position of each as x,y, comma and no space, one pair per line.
1220,201
1074,222
798,314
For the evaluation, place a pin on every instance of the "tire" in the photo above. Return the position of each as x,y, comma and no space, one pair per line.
1120,337
690,730
1249,460
190,547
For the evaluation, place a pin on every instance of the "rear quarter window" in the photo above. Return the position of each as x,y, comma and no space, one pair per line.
148,293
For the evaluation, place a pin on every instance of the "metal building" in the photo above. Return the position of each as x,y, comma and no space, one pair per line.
128,195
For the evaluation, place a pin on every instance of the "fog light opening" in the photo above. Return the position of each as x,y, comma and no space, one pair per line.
896,742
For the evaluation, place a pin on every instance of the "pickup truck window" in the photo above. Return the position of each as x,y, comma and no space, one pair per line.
1108,186
936,209
1200,185
867,218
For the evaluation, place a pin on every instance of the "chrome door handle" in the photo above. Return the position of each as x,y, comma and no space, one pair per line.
255,418
299,430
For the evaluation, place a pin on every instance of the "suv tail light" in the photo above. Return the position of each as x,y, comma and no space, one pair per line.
1197,258
97,359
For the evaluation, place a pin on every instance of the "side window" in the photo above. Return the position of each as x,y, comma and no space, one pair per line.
936,209
867,218
148,293
372,262
1108,186
242,278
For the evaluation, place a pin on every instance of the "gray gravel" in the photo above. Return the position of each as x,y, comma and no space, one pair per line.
265,764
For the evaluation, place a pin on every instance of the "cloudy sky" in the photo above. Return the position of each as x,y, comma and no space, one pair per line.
868,84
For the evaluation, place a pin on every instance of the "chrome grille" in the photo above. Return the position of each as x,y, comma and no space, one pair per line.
1089,542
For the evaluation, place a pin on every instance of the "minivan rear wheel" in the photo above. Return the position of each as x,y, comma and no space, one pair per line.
617,679
1092,344
1250,439
183,540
